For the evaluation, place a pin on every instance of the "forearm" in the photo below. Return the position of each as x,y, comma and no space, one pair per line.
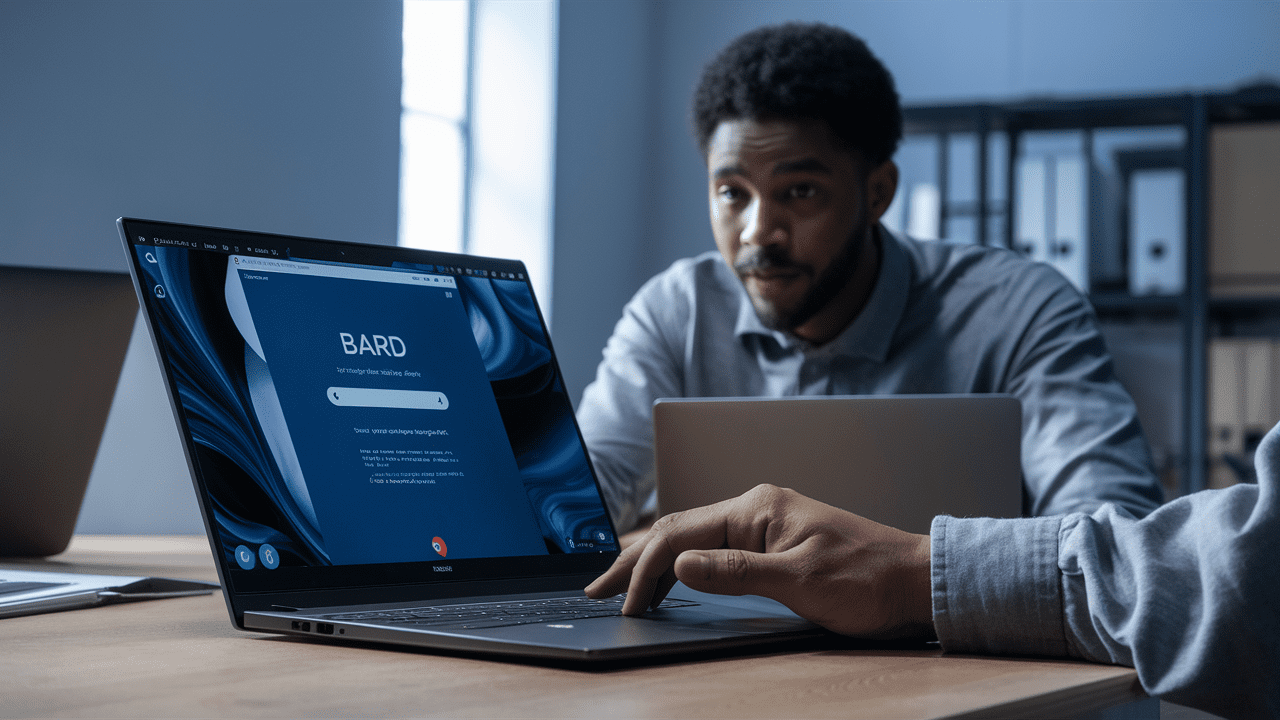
1083,448
619,435
616,412
624,482
996,586
1186,595
915,585
1082,445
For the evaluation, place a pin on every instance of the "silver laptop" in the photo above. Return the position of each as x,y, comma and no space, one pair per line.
899,460
383,450
64,333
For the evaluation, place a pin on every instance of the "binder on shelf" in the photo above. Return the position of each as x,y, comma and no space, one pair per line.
1244,215
1157,232
1067,249
1244,403
1261,404
1032,192
1052,215
1224,409
1226,427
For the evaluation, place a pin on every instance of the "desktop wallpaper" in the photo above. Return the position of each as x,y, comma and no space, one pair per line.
538,414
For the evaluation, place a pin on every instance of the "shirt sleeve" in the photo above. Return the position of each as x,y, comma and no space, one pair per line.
641,364
1082,445
1187,595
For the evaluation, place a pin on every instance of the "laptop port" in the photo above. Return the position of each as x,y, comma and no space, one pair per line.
302,625
324,628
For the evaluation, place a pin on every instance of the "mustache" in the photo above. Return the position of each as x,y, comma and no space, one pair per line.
771,257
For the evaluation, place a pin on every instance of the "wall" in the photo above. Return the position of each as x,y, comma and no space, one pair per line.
605,169
265,115
630,184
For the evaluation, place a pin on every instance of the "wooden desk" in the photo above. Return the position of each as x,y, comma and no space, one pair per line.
182,658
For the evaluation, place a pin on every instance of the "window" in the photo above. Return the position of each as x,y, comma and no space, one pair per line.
477,129
434,124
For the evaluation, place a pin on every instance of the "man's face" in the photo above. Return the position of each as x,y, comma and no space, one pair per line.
791,210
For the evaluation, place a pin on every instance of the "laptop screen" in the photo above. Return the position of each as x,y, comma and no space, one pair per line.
362,414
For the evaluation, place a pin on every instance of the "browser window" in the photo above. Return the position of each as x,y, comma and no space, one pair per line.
374,378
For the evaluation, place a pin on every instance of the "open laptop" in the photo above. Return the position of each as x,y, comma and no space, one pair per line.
383,450
65,333
899,460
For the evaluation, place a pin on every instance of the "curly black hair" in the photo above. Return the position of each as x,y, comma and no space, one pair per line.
802,71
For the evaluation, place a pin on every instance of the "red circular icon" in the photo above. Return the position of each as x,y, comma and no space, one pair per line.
438,545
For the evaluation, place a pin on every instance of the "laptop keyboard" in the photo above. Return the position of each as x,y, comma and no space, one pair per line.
473,616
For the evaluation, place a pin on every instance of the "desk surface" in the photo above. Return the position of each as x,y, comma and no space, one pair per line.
182,658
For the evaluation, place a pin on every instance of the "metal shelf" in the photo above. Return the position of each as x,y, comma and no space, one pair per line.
1256,103
1196,113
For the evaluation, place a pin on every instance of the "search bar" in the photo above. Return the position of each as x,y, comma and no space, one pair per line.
372,397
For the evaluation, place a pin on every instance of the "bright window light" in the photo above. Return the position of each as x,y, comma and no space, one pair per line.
476,130
434,124
513,126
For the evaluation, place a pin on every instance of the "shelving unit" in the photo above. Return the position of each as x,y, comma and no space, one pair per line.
1196,114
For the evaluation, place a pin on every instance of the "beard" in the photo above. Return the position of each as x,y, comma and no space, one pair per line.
824,289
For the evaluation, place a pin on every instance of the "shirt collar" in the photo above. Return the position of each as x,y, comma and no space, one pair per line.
870,334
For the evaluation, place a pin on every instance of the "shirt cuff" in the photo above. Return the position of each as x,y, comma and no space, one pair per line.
996,586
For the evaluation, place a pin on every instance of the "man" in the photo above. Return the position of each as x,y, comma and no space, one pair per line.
1188,596
809,294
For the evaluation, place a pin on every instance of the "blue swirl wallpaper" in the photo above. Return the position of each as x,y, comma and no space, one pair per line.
538,414
252,503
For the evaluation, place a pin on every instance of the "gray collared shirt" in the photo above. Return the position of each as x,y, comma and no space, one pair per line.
942,318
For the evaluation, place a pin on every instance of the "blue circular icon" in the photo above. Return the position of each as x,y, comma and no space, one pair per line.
244,557
160,291
270,558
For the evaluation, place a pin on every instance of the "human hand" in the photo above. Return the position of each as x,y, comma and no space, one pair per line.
844,572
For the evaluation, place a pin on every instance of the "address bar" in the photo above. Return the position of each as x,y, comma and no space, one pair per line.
268,263
382,398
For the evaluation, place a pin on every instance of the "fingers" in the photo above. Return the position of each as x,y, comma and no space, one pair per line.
614,580
624,576
646,569
842,571
653,574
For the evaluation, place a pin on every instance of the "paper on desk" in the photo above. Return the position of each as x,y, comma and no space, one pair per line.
29,592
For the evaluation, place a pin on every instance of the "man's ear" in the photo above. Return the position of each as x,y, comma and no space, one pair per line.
882,184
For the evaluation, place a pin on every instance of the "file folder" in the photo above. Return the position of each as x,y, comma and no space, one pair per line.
1157,232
